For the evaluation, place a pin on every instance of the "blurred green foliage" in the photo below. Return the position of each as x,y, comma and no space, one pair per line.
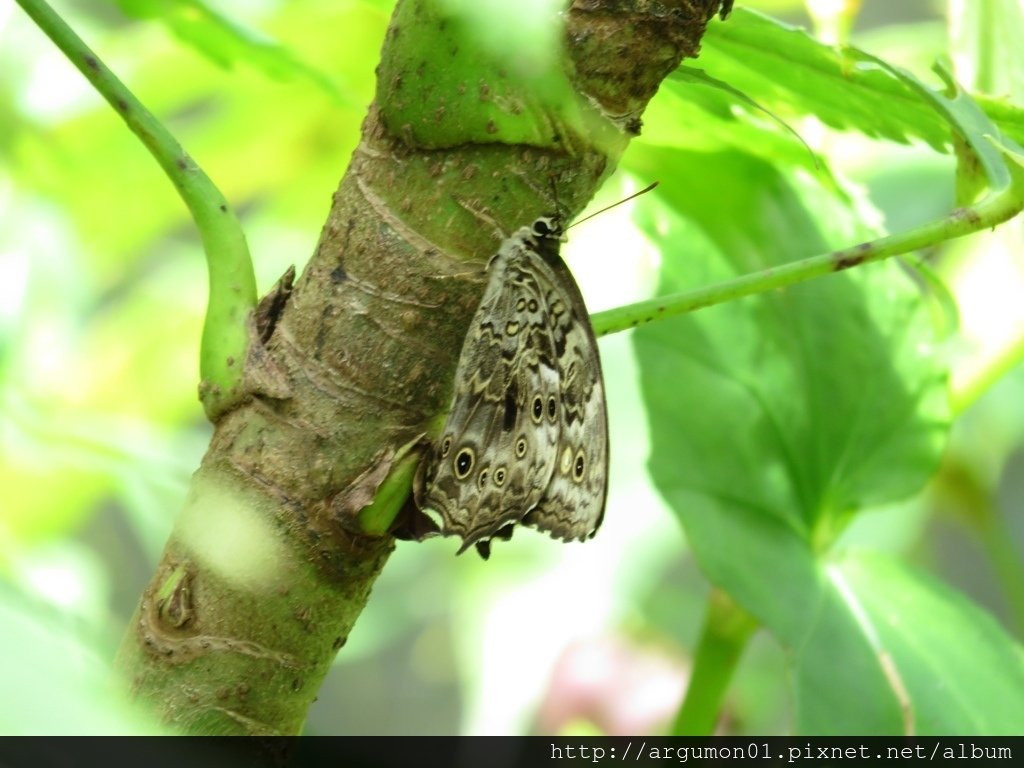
101,307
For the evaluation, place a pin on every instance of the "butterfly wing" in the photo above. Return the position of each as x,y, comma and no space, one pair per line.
526,439
496,452
573,503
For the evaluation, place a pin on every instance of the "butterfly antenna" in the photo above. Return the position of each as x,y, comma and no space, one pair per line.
643,191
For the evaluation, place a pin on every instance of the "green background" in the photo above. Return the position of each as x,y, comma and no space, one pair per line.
816,516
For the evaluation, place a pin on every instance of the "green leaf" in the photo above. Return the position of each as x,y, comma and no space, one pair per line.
728,118
226,41
786,70
789,71
693,76
960,672
774,419
971,125
1009,117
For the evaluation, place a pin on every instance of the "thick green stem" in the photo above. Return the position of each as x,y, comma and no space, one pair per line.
727,629
232,282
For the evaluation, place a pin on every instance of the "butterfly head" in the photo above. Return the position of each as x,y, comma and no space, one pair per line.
545,237
548,228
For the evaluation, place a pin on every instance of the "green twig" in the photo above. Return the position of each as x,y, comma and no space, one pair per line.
232,282
993,210
727,629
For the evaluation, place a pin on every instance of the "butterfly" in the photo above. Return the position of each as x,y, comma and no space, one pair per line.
526,438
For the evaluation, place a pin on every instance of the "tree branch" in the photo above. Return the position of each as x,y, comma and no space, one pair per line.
273,557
